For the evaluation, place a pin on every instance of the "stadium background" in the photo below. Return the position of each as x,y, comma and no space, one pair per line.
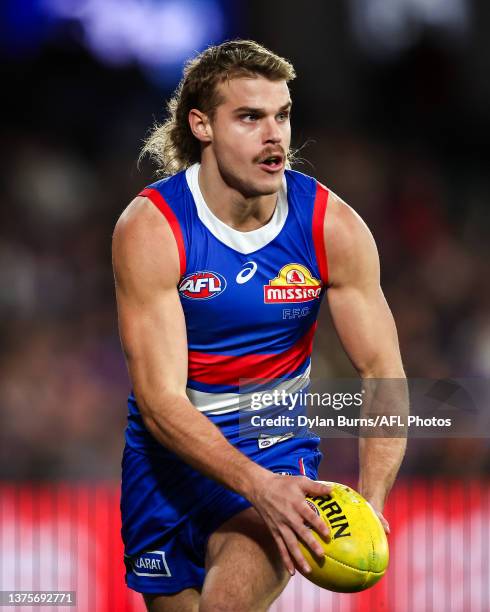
392,103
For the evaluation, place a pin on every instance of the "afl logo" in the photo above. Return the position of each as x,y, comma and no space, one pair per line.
202,285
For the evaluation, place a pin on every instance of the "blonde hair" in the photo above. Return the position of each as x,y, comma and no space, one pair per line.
172,145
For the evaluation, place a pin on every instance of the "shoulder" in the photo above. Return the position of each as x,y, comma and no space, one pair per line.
140,221
352,256
143,242
150,215
350,246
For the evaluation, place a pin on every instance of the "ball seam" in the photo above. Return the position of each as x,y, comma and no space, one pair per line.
361,571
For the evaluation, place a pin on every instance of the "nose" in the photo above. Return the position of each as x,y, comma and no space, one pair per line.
272,133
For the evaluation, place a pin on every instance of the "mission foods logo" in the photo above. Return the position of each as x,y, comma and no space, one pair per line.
294,283
202,285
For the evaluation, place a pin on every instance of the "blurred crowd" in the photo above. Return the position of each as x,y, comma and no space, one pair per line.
407,156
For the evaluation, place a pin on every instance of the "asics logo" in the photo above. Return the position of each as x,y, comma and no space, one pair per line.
246,274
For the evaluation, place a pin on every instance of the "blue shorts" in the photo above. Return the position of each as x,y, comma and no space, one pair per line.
169,509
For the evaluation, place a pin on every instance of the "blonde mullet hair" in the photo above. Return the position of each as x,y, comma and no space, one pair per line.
172,145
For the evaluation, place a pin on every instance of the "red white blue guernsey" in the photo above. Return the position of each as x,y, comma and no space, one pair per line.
250,299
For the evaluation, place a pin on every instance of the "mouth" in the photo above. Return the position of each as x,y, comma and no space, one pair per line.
272,163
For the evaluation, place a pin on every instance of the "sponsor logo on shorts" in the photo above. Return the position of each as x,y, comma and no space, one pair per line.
152,564
264,441
293,284
202,285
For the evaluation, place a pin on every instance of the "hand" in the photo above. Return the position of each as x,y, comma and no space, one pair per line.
280,501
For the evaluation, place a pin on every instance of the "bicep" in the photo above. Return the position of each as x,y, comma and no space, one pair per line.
151,320
366,329
360,313
153,337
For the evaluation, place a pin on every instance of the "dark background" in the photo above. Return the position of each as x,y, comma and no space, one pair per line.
392,108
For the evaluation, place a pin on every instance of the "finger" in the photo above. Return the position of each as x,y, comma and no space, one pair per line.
316,488
285,556
316,522
384,522
294,550
321,527
309,540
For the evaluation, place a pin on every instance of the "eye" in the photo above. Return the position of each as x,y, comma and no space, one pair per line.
283,116
250,117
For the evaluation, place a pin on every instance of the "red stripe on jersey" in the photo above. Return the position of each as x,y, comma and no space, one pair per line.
319,210
229,369
159,201
301,466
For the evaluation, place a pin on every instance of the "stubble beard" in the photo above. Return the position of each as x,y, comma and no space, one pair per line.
247,188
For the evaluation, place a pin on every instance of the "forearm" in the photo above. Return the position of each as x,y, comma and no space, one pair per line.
381,450
379,462
180,427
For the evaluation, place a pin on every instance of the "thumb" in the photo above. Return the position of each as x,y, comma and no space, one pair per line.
316,488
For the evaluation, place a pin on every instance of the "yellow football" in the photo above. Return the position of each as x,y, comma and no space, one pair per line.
357,555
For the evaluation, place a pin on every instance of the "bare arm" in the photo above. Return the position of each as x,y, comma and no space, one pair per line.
366,328
153,335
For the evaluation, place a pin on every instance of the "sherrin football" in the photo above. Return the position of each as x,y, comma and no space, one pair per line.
357,555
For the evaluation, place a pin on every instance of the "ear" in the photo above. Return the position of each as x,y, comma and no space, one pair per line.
200,125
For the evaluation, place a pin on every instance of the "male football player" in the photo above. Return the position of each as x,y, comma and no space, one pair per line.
220,269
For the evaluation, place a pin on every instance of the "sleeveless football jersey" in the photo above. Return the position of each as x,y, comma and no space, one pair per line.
250,299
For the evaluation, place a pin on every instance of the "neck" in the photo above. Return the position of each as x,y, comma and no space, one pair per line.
230,205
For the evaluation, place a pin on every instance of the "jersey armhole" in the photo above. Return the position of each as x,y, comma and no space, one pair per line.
319,210
159,201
